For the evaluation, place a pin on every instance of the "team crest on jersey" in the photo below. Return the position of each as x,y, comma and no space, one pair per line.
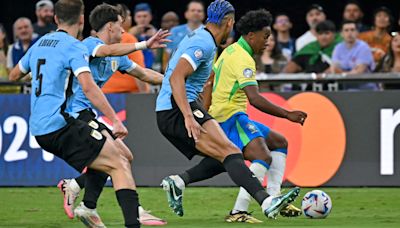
114,65
96,134
198,53
253,129
198,113
93,124
248,73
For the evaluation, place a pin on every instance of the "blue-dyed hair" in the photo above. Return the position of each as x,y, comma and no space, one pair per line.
217,10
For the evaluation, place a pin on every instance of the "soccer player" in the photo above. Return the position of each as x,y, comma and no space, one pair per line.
184,122
103,62
54,61
234,84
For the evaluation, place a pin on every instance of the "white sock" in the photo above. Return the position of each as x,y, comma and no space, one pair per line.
266,203
276,172
243,199
74,186
178,181
141,210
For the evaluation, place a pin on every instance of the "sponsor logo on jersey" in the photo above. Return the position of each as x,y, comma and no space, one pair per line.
198,53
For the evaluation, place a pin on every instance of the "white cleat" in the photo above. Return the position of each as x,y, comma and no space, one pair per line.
70,195
89,217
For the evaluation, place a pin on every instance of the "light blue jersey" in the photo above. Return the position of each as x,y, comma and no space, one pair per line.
102,69
53,60
177,34
199,49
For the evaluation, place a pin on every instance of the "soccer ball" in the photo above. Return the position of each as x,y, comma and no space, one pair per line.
316,204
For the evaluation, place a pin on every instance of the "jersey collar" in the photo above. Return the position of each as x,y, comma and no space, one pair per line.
246,46
205,28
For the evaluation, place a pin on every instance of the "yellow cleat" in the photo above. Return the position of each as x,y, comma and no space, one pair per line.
290,211
242,216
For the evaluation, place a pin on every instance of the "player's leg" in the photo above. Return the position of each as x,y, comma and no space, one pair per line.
258,153
279,149
215,144
118,167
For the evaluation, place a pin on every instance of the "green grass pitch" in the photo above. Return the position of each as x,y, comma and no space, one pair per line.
204,207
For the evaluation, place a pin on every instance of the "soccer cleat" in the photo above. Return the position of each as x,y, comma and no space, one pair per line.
242,217
147,219
290,211
89,217
69,196
174,195
280,202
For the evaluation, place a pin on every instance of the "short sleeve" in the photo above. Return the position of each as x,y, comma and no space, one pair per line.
195,55
125,64
245,73
92,45
365,56
23,63
79,58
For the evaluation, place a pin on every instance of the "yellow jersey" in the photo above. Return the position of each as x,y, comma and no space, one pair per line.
234,70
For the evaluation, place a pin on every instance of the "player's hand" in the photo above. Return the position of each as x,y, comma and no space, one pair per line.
119,130
158,40
193,128
297,117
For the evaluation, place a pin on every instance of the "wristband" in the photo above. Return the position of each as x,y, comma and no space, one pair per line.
141,45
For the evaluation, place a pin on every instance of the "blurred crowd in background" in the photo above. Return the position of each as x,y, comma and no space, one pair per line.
351,47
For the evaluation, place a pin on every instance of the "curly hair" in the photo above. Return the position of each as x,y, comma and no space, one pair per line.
254,21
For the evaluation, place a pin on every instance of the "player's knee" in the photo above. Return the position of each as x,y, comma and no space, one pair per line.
280,143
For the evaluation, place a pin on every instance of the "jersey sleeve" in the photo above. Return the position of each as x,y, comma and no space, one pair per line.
125,64
245,73
92,45
23,63
78,58
195,55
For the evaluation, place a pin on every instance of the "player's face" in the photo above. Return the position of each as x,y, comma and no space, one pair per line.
325,38
382,20
396,44
349,33
116,30
282,23
228,29
195,12
143,18
314,17
46,14
260,40
352,13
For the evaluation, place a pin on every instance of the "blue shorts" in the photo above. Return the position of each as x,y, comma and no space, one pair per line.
241,130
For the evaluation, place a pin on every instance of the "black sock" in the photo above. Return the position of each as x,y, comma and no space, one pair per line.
129,202
207,168
242,176
81,180
94,184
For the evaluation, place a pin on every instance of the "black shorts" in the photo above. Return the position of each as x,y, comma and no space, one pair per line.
172,125
77,143
89,117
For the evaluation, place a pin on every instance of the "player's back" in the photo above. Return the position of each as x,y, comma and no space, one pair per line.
53,60
199,49
234,70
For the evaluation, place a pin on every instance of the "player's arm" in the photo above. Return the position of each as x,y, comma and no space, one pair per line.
262,104
146,75
207,91
96,96
16,74
177,81
158,40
